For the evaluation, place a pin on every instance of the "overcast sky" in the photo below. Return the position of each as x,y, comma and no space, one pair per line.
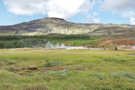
80,11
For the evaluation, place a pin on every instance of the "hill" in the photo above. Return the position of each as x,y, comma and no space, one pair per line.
60,26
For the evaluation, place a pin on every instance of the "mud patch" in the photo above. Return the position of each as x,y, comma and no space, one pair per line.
36,88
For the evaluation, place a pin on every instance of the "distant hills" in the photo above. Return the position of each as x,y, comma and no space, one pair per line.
60,26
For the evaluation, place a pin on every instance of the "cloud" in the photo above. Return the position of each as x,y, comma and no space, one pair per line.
126,8
119,4
52,8
130,15
132,20
93,18
96,20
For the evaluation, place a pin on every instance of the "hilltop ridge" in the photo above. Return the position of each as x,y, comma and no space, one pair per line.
60,26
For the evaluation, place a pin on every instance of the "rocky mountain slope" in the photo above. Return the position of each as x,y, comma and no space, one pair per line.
61,26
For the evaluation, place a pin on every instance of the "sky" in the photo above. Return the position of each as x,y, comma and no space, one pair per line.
78,11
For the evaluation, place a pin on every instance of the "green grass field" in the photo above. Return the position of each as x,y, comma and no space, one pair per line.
44,69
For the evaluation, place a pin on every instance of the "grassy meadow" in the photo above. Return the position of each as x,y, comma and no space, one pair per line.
58,69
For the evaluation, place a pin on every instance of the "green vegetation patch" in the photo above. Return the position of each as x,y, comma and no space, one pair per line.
40,41
39,68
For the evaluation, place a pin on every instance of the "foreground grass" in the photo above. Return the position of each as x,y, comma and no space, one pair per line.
43,69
